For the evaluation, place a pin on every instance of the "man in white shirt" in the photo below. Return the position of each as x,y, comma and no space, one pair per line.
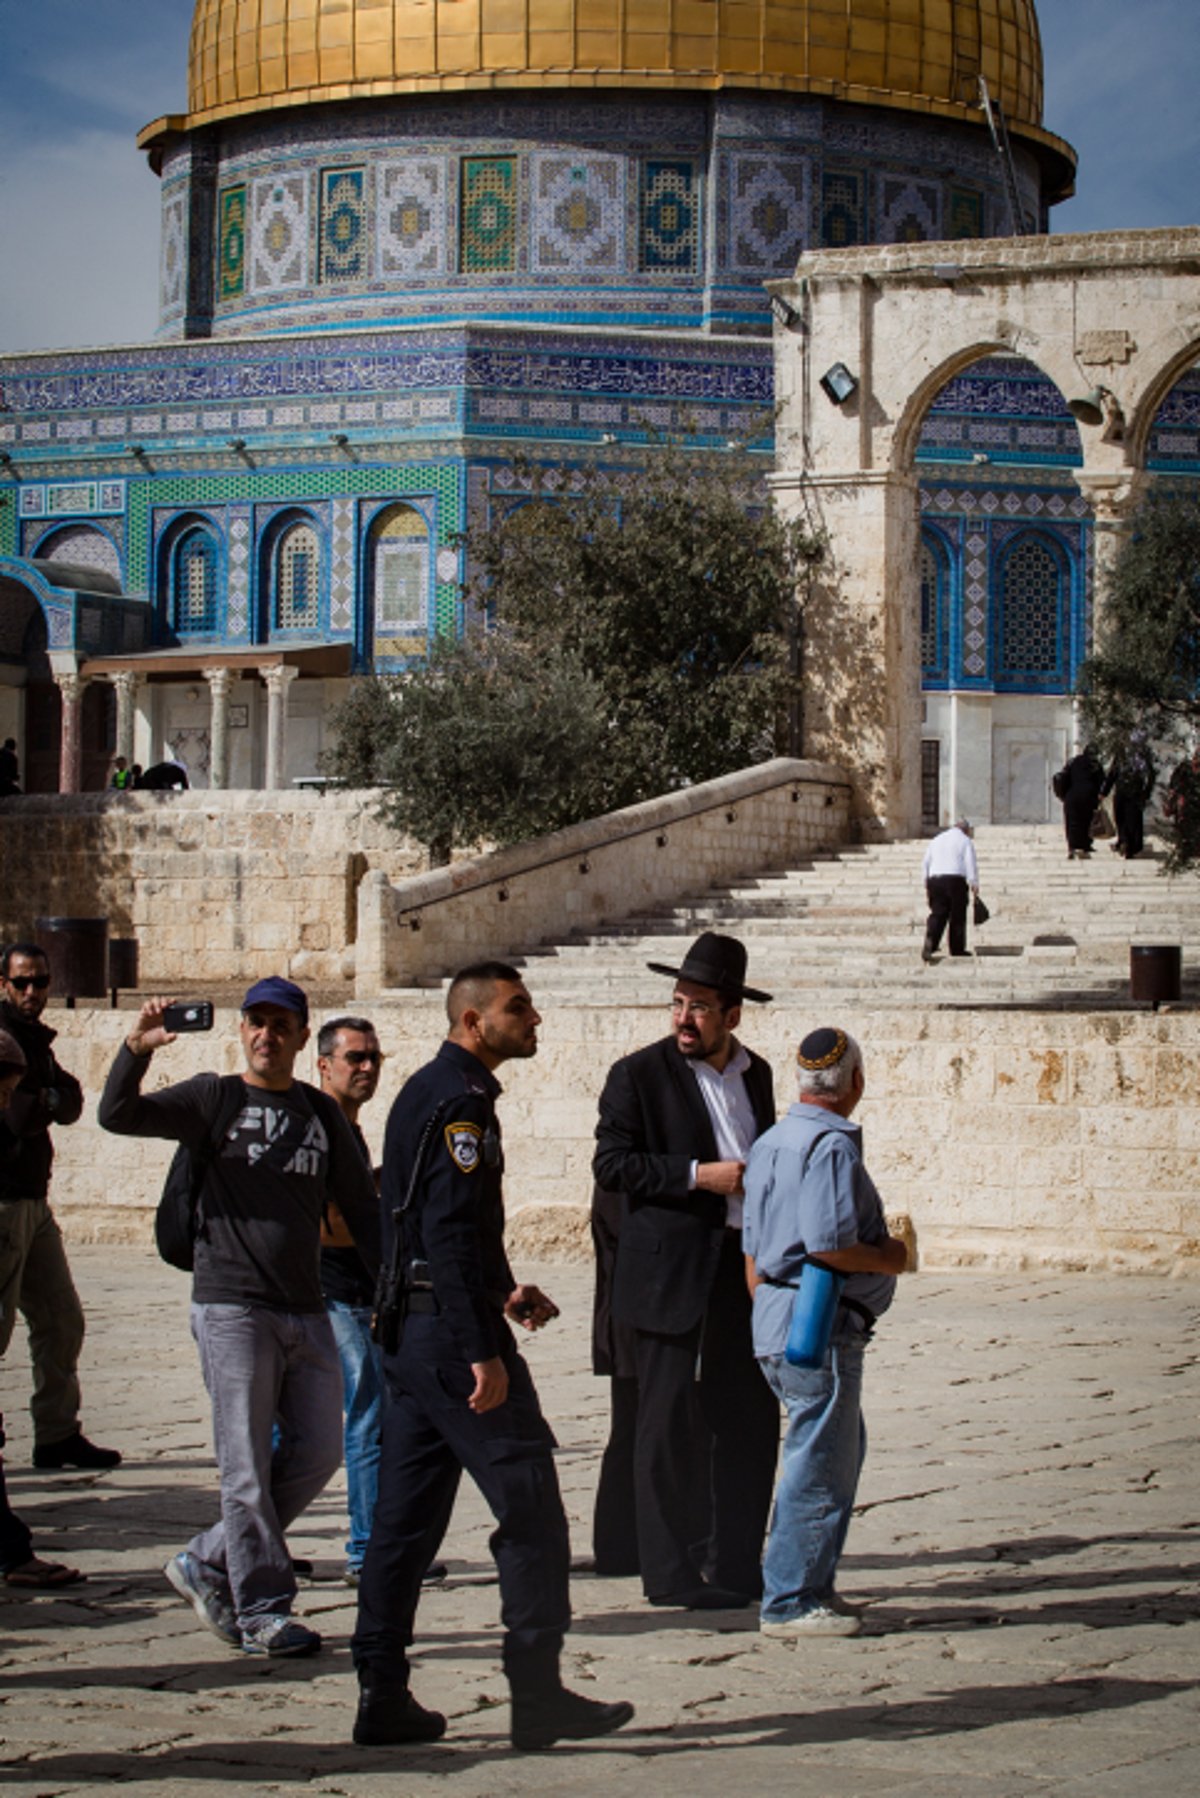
951,873
676,1123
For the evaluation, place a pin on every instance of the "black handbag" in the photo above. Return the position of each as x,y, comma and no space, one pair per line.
979,911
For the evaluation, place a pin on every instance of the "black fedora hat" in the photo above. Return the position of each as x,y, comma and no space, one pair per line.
717,961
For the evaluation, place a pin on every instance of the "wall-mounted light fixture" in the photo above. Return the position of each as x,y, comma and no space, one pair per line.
138,452
839,383
238,446
785,313
341,441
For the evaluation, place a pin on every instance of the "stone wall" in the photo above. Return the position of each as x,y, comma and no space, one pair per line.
215,886
770,816
1011,1139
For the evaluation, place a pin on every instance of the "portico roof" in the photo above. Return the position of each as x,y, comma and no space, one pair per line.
316,660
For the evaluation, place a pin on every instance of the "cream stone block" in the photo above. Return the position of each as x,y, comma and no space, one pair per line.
1041,1077
1177,1076
1101,1075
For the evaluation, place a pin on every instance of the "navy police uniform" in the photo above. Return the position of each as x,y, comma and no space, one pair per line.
453,1243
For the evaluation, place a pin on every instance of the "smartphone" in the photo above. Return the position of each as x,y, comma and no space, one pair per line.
190,1014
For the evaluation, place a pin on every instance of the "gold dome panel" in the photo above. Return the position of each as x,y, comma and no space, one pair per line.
254,55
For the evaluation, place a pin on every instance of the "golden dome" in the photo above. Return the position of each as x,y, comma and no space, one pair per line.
250,56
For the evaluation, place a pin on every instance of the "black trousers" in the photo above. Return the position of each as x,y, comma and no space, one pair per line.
16,1544
728,1420
614,1519
947,895
429,1438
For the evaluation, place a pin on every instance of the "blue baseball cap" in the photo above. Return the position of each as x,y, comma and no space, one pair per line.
275,990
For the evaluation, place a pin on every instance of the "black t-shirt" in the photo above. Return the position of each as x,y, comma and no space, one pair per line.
265,1188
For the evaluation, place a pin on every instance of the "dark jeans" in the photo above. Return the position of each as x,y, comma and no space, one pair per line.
430,1437
947,894
729,1417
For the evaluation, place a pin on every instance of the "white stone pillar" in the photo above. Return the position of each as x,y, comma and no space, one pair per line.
70,760
277,679
1114,497
862,639
219,682
126,684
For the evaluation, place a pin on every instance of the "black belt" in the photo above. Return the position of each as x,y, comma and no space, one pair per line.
421,1301
864,1313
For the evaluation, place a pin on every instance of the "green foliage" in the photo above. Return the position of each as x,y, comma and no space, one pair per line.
1142,685
483,742
640,632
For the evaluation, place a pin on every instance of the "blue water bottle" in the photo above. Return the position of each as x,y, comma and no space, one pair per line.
813,1313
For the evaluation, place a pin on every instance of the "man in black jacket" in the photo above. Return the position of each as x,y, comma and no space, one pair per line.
676,1123
34,1276
462,1396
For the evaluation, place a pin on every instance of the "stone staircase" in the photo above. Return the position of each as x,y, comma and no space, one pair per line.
851,925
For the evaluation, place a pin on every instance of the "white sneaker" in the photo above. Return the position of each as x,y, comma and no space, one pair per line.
820,1621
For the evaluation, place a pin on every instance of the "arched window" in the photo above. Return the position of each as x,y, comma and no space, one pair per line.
194,587
298,579
400,580
1029,633
83,546
935,582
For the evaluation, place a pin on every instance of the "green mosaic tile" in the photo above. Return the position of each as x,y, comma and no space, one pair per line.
231,274
444,480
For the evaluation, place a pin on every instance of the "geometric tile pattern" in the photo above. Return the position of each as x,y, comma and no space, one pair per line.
341,574
279,234
934,608
578,212
1174,444
1030,614
842,220
237,597
196,561
975,603
965,213
84,546
343,224
411,217
909,211
297,581
488,219
173,254
668,217
400,595
231,255
770,212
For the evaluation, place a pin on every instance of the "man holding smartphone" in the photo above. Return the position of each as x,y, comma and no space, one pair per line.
34,1276
278,1151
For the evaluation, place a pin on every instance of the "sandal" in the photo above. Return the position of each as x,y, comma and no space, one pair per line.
38,1576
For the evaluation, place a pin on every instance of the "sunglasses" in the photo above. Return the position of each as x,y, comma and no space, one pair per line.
22,982
363,1058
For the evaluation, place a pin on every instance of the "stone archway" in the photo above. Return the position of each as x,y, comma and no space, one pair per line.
1115,311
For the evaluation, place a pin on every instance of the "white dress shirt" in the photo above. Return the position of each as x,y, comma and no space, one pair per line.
724,1093
952,852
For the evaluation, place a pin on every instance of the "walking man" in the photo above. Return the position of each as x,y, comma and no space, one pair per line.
275,1153
808,1195
462,1396
676,1123
34,1277
951,876
349,1061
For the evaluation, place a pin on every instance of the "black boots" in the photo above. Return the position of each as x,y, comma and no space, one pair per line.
540,1719
389,1716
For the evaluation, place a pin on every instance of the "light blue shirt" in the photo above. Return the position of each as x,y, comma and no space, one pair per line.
808,1193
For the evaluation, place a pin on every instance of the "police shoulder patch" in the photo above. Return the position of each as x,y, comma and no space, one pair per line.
463,1140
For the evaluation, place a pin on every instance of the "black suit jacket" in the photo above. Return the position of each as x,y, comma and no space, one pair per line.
653,1125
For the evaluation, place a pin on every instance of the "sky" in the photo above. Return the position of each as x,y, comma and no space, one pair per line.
79,217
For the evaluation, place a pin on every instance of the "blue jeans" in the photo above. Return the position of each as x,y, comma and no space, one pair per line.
822,1456
362,1402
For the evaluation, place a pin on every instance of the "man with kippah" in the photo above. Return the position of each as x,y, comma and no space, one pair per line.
274,1153
677,1119
809,1197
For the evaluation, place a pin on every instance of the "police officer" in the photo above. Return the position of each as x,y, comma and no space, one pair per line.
462,1396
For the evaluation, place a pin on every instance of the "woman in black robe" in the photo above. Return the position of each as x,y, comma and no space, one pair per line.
1078,786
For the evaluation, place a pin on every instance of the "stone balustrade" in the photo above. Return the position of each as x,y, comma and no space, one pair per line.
759,818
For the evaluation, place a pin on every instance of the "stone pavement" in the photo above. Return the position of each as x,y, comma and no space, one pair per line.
1028,1539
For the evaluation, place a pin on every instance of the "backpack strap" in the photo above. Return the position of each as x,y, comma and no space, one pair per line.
231,1098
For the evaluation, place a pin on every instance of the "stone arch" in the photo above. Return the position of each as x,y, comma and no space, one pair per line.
398,564
297,591
1174,360
183,606
81,546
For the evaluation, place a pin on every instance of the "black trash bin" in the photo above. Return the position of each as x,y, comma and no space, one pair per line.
77,950
122,965
1155,972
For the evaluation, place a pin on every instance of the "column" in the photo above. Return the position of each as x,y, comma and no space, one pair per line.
278,678
126,684
862,639
1114,498
219,682
70,763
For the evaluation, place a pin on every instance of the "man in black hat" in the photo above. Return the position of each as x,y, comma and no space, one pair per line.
677,1120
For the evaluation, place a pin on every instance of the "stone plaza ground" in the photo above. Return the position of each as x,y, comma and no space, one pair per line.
1028,1541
